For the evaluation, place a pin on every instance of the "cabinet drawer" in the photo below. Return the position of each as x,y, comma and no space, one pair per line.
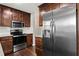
7,44
29,40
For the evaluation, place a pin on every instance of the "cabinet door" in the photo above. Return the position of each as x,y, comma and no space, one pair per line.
42,8
0,15
7,44
38,42
15,16
6,16
53,6
39,51
26,19
20,16
29,39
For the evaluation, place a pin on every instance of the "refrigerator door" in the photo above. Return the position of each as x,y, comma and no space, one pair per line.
48,41
65,31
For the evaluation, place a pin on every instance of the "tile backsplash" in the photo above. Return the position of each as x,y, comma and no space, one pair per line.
5,31
38,32
28,30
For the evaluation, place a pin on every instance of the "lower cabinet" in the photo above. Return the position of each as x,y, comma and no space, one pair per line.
39,51
39,46
29,39
7,44
38,42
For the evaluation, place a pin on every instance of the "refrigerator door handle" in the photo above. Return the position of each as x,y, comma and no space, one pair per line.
53,27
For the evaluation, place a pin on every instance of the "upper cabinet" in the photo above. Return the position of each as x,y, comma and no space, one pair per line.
53,6
7,15
45,8
0,16
15,15
26,19
20,16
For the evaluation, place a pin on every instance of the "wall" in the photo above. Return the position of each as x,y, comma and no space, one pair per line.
38,29
4,31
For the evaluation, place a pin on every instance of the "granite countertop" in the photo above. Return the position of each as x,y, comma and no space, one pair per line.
5,35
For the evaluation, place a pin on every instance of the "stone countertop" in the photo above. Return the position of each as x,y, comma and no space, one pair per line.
5,35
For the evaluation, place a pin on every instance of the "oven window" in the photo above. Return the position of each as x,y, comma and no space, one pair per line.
19,40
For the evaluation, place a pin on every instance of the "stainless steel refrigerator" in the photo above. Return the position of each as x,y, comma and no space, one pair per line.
59,32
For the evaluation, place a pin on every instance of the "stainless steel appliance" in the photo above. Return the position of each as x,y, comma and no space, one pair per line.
17,24
19,40
59,33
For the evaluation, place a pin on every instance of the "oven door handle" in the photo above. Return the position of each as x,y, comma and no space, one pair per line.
19,35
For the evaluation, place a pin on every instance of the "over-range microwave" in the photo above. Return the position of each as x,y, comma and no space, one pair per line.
17,24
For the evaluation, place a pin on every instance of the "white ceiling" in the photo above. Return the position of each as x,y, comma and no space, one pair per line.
27,7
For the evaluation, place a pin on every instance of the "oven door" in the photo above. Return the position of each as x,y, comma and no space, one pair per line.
18,39
19,42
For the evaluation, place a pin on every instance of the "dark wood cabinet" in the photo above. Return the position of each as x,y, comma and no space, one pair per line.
26,19
39,52
42,8
39,46
53,6
29,40
15,15
20,16
6,16
45,8
38,42
0,15
7,43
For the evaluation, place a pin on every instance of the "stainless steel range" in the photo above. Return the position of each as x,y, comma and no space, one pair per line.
19,40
